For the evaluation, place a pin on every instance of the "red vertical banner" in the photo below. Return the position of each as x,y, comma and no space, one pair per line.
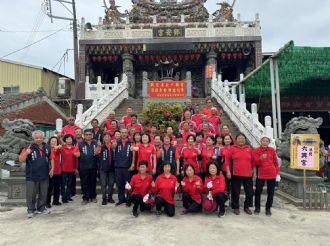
167,89
209,70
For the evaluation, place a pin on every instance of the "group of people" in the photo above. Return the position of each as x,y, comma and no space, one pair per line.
203,163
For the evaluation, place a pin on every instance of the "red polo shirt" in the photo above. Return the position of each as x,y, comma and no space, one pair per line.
219,184
206,159
191,189
165,188
141,186
145,153
242,160
57,165
68,160
70,130
137,126
267,168
197,118
190,156
127,120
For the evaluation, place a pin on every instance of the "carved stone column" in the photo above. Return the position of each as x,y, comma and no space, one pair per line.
128,69
211,60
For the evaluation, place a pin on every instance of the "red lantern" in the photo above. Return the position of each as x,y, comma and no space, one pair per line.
175,57
115,58
239,55
94,58
235,56
104,58
158,58
181,57
223,56
110,58
198,56
99,58
229,55
163,58
186,57
192,57
141,59
152,58
147,58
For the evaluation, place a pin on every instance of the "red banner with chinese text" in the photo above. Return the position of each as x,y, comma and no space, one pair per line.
167,89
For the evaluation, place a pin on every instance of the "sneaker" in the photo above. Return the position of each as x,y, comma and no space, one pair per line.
110,200
118,204
94,200
70,200
221,213
135,213
45,211
65,201
30,215
104,202
84,202
257,211
184,212
248,211
236,211
158,213
48,206
268,212
57,203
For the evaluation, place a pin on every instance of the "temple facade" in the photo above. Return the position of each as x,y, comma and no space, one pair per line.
165,40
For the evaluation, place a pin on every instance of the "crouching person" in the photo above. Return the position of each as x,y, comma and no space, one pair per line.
164,188
140,189
215,187
192,187
37,157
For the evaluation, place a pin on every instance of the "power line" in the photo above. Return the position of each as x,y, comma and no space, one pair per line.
26,31
29,45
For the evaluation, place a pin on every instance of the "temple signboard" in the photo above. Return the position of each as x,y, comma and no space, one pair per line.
167,89
168,32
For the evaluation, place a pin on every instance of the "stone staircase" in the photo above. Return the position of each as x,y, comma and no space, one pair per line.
135,104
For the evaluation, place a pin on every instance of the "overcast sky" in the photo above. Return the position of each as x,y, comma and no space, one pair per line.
304,21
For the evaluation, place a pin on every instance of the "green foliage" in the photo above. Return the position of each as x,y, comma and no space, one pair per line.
163,115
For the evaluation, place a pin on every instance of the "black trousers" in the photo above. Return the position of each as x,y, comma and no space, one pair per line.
190,204
54,188
73,187
107,180
122,176
236,183
168,208
137,200
88,183
66,186
270,192
221,198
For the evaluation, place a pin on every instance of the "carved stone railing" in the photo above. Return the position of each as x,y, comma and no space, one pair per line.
248,122
102,107
192,30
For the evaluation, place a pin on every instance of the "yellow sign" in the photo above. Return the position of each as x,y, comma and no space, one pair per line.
305,151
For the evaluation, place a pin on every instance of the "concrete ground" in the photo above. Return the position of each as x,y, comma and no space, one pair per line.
94,224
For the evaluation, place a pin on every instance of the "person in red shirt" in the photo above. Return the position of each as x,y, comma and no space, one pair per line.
127,118
140,189
200,141
112,117
197,117
54,179
240,160
187,119
69,154
147,152
112,127
215,186
192,188
137,141
164,188
268,170
222,152
207,109
205,120
215,120
190,154
186,132
208,155
206,132
70,128
170,133
134,124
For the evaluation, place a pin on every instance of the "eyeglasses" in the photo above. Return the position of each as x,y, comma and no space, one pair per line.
88,134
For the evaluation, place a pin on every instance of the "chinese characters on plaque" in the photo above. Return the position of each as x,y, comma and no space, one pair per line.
167,89
305,151
168,32
209,71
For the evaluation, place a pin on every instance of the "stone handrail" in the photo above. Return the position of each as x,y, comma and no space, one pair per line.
101,108
247,122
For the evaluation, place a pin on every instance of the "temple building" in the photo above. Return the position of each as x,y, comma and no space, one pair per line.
167,40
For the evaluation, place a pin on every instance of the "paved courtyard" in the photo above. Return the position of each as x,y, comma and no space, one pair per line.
94,224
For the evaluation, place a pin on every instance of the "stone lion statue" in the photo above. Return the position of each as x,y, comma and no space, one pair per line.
18,135
297,125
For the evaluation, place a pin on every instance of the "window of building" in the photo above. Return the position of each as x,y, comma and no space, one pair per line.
11,90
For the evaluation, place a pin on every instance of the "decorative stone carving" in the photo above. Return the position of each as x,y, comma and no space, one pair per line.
211,60
112,14
297,125
128,69
18,135
225,13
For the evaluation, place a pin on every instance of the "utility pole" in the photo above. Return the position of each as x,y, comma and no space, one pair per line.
75,32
